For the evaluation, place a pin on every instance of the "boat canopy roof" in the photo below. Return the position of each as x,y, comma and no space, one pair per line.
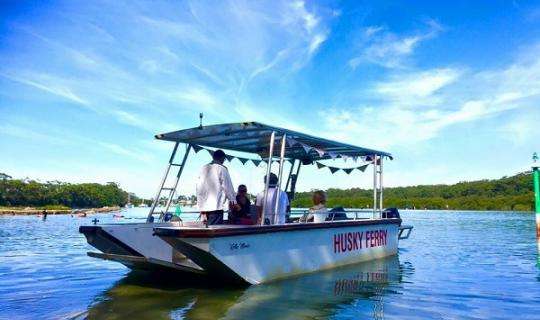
254,137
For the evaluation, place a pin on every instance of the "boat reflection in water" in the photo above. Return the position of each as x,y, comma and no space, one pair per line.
356,290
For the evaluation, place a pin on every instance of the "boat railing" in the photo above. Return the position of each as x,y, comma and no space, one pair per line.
294,213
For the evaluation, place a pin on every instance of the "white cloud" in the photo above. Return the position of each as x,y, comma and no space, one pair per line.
419,85
50,85
387,49
123,151
26,133
410,108
198,97
316,42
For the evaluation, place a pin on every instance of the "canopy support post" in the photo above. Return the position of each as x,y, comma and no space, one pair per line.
163,180
269,166
381,186
289,176
280,173
180,170
375,186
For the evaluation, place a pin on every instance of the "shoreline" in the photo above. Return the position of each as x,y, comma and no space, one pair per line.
34,211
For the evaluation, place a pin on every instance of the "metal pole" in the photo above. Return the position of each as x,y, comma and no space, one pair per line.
374,185
536,183
269,166
158,193
289,177
381,186
278,186
173,191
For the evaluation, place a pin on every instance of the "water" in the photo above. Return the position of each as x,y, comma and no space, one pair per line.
456,265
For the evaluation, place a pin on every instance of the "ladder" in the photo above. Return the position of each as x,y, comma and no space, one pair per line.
171,190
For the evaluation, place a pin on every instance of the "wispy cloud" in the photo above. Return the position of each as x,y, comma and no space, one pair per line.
382,47
409,108
123,151
50,85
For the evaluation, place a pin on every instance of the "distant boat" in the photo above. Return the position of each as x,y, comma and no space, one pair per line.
129,204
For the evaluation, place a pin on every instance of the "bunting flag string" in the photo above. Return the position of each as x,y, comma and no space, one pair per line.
321,152
346,170
319,165
333,169
196,148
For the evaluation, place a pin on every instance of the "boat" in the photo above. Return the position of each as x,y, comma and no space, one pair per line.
255,254
129,205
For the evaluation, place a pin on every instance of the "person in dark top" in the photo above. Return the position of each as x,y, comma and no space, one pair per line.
240,214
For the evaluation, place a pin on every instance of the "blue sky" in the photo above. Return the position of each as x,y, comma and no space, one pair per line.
451,89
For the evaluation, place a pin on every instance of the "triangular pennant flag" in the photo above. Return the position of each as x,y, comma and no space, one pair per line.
332,155
319,151
363,168
210,152
368,159
196,148
348,170
333,169
320,165
256,162
243,160
291,142
307,148
229,157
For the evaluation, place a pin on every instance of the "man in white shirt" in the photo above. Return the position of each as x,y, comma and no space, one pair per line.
279,216
214,188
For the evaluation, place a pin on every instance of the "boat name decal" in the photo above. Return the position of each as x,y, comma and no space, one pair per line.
352,241
238,245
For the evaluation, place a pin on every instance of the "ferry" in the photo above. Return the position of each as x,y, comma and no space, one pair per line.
255,254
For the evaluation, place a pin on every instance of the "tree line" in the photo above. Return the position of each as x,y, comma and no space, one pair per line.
513,193
25,192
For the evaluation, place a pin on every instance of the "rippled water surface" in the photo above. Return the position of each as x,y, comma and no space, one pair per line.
456,265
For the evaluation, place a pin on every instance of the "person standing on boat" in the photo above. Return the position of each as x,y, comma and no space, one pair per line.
271,217
214,188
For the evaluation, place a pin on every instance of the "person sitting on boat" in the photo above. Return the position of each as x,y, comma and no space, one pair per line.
214,188
241,214
270,205
317,213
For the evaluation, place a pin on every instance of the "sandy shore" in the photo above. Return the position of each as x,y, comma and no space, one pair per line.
33,211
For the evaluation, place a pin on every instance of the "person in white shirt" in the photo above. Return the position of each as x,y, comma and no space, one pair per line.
273,192
317,213
214,188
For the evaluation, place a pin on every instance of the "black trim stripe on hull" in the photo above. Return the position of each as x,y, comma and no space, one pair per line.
118,247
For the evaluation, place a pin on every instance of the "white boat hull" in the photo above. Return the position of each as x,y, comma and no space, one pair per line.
135,242
263,254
